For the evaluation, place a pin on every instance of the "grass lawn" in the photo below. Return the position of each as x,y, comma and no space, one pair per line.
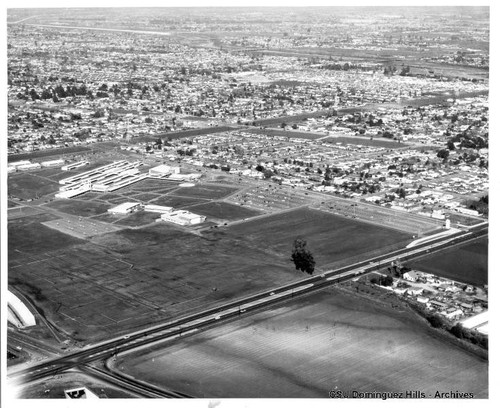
28,186
80,208
325,341
224,211
138,218
329,237
150,185
177,202
208,191
465,263
26,237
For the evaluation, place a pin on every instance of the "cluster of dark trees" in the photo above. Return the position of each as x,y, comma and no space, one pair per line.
382,280
481,205
457,329
302,257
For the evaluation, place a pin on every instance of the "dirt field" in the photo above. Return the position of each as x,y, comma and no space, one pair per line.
326,341
466,263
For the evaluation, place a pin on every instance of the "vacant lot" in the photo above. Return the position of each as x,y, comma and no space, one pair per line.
326,341
29,186
465,263
329,237
77,207
224,211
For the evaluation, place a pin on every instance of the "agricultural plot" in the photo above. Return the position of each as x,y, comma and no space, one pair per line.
330,238
79,208
223,211
322,342
29,186
465,263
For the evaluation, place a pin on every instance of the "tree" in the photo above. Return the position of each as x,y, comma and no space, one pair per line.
302,257
443,154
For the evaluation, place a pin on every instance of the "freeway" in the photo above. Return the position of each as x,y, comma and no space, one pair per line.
195,322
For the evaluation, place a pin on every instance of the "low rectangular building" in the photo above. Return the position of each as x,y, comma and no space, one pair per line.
125,208
182,217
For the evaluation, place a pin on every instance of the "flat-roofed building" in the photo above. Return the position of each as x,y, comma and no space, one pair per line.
52,163
182,217
158,208
163,171
125,208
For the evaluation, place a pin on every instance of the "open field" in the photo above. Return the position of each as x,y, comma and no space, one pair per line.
28,186
77,207
465,263
326,341
133,277
138,219
177,202
329,237
224,211
150,185
207,191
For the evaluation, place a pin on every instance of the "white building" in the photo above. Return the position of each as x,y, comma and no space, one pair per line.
183,217
125,208
75,165
53,163
163,171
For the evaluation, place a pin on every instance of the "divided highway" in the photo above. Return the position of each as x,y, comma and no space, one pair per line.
191,324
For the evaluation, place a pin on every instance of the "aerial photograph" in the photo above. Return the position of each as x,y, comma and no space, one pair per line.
246,202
